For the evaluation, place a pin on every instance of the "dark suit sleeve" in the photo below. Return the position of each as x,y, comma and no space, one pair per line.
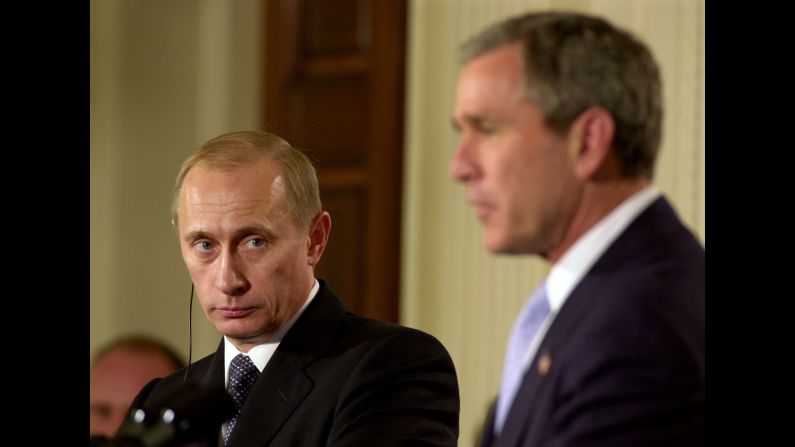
139,400
636,379
403,392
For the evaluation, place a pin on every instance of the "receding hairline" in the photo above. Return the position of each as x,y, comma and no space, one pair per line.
139,344
233,156
515,29
574,60
226,167
244,148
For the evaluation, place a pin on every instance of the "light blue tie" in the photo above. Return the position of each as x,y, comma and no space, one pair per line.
527,324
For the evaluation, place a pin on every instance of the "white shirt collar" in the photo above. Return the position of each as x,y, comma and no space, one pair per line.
261,354
575,263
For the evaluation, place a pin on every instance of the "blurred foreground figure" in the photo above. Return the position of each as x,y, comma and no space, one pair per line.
560,120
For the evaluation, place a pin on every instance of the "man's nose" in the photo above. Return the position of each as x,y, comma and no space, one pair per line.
462,166
230,278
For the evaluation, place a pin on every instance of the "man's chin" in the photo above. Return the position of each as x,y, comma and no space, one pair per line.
500,244
243,332
234,329
496,245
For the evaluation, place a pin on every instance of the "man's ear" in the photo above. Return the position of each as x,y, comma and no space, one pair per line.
318,237
591,134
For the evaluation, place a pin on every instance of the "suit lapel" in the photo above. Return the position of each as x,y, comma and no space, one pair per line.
635,239
213,373
279,390
543,366
283,384
518,419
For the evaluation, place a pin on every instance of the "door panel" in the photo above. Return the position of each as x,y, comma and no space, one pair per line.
333,77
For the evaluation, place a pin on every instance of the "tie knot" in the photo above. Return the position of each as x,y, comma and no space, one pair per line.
242,375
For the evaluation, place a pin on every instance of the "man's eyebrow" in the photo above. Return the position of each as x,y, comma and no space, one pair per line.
253,229
476,121
195,234
201,234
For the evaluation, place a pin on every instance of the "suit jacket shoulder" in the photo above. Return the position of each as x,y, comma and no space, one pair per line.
340,379
623,361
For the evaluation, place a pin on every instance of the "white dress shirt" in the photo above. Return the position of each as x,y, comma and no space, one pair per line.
261,354
578,259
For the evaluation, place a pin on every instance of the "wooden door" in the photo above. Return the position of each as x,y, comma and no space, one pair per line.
334,82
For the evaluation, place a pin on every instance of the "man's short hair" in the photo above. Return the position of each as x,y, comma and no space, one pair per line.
237,149
574,61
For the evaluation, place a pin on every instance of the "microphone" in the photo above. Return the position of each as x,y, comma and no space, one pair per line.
189,413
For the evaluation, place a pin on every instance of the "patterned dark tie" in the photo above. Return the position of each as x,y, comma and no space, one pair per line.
242,375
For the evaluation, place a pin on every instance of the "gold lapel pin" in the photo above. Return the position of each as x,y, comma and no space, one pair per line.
544,363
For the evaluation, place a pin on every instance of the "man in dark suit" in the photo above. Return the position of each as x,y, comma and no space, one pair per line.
560,117
250,225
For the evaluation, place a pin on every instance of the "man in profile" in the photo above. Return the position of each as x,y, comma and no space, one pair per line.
560,120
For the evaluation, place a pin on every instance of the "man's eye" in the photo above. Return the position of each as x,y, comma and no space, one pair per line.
255,242
487,129
204,245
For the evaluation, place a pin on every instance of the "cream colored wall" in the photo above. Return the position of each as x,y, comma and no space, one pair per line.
450,286
165,77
